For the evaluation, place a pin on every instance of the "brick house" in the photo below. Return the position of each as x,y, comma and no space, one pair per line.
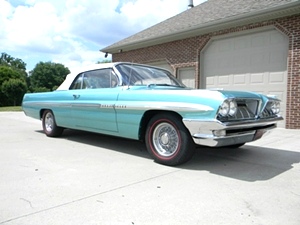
232,44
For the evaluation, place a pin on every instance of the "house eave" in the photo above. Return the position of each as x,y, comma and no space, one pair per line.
240,20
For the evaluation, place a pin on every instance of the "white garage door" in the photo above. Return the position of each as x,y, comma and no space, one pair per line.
163,64
187,76
255,62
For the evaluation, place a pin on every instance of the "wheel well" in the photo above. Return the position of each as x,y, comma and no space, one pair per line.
42,112
147,117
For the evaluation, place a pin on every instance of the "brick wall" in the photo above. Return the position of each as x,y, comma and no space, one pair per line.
186,53
291,27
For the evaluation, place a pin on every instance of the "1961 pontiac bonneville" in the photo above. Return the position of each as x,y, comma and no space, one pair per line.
147,103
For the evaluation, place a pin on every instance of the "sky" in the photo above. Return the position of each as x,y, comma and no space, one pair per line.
72,32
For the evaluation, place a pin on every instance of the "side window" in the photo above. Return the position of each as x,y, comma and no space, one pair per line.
104,78
77,83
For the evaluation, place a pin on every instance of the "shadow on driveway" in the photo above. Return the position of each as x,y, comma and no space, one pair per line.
248,163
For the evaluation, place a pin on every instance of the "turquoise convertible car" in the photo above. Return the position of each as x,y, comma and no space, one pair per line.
147,103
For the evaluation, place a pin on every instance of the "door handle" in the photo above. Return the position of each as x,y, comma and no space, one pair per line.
76,96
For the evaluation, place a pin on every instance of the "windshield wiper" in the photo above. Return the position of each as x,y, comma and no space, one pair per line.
169,85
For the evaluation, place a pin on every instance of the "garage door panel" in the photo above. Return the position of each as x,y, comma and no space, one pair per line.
257,79
214,48
241,43
259,40
225,45
276,39
162,64
255,62
278,57
224,80
210,82
259,61
277,78
239,79
224,63
187,76
240,62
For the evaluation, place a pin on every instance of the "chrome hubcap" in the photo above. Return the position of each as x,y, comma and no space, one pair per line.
165,139
49,122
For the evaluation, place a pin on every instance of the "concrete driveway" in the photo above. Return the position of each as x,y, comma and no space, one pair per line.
86,178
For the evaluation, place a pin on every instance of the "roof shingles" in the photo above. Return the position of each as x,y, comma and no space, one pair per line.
207,12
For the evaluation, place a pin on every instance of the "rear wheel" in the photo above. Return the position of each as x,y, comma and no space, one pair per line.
49,125
168,140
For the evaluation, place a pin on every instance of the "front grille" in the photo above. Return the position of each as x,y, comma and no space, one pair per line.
267,112
247,110
243,113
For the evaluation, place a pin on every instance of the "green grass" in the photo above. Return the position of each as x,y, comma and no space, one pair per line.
11,109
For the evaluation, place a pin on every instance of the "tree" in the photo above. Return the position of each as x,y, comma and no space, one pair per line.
47,76
14,63
14,90
7,73
8,60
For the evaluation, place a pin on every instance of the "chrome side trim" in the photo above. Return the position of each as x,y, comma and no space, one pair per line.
139,106
174,106
86,105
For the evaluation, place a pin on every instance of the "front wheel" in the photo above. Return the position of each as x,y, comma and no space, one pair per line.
49,125
168,140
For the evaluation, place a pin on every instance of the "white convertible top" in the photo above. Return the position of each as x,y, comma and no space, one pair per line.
71,76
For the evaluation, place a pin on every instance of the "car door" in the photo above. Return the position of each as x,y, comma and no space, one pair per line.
94,97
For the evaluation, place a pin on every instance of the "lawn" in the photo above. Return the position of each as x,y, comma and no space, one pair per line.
11,109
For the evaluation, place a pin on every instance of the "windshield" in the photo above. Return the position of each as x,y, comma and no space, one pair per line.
133,74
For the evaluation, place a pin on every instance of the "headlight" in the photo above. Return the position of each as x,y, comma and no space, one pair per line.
228,108
224,108
275,107
232,108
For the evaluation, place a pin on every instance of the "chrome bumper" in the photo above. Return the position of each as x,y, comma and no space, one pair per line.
216,134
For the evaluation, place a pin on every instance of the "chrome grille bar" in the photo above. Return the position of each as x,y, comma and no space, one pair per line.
247,109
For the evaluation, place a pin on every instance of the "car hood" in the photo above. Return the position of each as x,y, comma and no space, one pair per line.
240,94
205,93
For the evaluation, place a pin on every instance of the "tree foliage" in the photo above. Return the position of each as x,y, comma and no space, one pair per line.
14,63
14,81
104,61
7,60
6,74
47,76
14,90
